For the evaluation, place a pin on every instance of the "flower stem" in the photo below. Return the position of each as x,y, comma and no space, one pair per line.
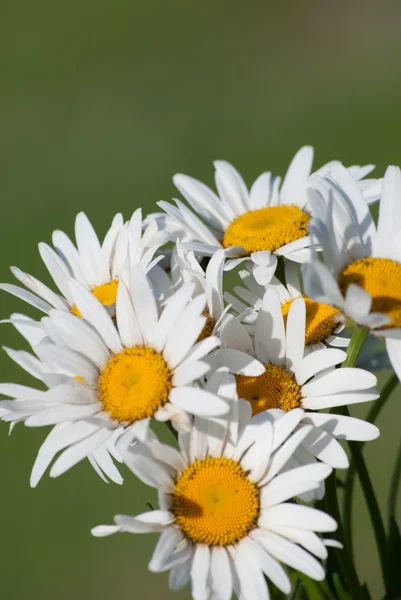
355,346
372,416
371,502
394,484
171,428
344,559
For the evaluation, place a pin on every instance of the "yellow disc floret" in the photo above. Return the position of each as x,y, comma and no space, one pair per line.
106,293
134,384
215,503
267,228
275,388
207,328
320,319
381,278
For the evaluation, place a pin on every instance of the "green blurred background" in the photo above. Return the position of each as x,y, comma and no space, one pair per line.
100,104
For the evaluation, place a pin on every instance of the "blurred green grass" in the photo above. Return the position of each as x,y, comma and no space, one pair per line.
101,103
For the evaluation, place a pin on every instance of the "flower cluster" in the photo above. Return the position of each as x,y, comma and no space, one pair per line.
223,317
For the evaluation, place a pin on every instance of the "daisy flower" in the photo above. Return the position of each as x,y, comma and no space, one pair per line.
185,269
361,272
257,225
323,322
34,333
103,377
225,521
292,380
96,266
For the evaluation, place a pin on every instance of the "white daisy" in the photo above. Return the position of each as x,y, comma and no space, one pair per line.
323,322
224,519
100,459
96,266
186,269
292,380
104,377
361,273
257,225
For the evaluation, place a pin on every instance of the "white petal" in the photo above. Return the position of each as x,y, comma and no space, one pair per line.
26,297
93,311
171,314
220,572
189,371
179,575
71,362
63,412
67,251
344,428
271,319
257,458
60,437
326,448
295,334
186,332
148,522
318,361
127,323
39,288
198,402
285,425
28,362
143,302
358,302
199,572
231,187
78,451
340,380
297,516
164,547
104,530
80,336
293,189
284,453
389,225
234,335
291,483
290,554
56,267
251,581
90,251
333,400
153,472
103,460
238,362
307,539
270,566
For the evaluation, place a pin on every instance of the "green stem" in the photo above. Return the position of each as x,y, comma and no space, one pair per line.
371,502
173,431
394,484
355,346
372,416
345,561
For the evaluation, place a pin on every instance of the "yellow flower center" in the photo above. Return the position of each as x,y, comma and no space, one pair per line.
267,228
134,384
106,293
320,319
214,502
381,278
207,328
275,388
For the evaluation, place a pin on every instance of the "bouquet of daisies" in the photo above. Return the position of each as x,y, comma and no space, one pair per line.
240,319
